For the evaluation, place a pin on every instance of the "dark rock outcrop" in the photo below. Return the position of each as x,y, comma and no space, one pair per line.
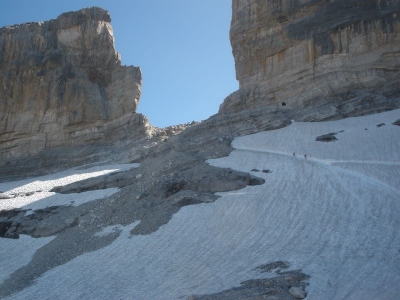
279,286
329,137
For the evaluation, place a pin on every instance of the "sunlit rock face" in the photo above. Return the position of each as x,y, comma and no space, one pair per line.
340,56
62,84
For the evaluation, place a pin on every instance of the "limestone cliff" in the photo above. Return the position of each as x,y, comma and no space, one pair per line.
339,57
62,84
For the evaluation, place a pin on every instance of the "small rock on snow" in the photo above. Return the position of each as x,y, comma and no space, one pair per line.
297,293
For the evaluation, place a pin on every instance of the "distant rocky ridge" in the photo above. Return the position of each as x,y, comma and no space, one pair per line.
62,84
331,59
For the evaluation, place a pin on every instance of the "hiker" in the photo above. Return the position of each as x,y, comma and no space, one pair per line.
294,154
305,156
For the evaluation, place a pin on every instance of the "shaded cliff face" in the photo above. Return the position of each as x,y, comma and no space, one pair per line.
62,83
341,56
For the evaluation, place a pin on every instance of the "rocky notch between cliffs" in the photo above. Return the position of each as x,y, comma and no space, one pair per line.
288,66
173,172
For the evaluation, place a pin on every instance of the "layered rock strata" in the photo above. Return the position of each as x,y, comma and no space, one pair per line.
62,84
337,58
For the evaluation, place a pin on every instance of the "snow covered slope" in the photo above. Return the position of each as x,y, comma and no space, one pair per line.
334,214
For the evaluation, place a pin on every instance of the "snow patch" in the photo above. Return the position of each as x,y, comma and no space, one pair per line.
34,193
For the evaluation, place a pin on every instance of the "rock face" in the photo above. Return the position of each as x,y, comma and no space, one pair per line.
338,57
62,84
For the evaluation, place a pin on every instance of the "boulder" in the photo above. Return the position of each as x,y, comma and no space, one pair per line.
297,293
4,196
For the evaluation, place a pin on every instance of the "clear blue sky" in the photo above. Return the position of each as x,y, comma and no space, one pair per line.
182,47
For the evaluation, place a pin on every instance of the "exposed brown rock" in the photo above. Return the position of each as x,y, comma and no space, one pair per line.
62,84
338,58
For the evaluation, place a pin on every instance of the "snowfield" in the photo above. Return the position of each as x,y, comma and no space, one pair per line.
335,215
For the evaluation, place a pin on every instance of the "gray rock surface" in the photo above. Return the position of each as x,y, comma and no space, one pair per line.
338,57
274,288
329,137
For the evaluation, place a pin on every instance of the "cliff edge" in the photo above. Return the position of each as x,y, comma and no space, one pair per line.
62,84
331,59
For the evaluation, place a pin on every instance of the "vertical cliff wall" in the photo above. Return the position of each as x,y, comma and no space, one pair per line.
342,56
62,84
